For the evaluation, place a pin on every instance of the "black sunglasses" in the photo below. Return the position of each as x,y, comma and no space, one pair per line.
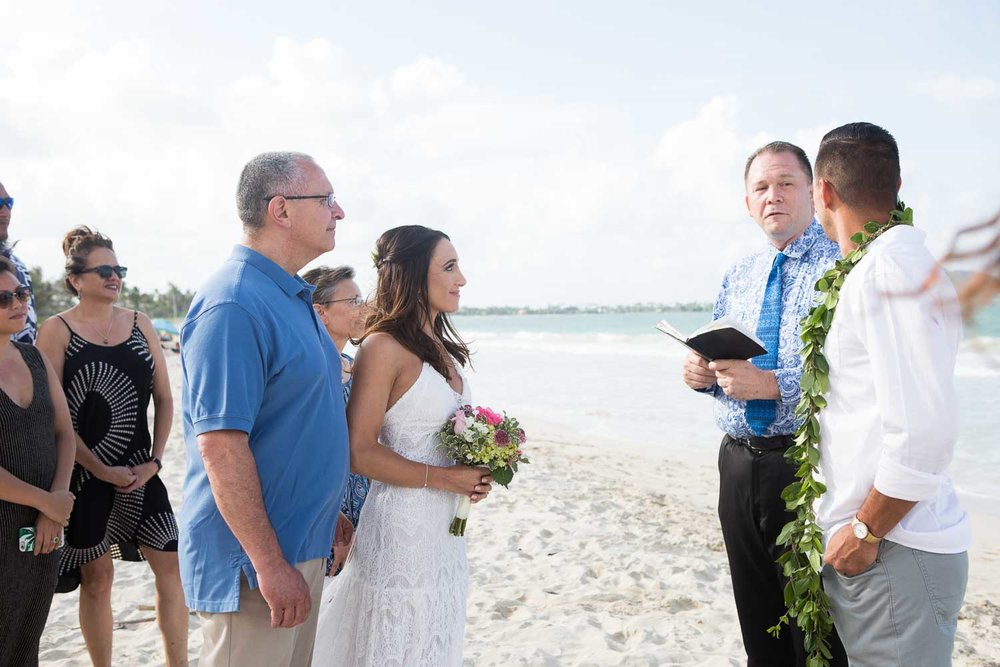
7,201
105,271
22,294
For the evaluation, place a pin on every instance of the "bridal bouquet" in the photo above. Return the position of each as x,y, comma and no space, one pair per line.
480,437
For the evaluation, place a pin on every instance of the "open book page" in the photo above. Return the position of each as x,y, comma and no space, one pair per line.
726,322
724,338
668,329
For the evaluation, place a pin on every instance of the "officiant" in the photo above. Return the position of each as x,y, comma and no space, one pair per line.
767,292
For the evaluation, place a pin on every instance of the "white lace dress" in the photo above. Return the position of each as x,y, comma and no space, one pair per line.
400,600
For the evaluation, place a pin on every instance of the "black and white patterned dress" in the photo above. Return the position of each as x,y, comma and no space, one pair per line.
28,451
108,390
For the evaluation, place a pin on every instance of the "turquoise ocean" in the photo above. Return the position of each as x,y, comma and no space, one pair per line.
613,381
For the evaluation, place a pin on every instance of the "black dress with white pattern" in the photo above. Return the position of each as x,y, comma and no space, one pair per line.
108,390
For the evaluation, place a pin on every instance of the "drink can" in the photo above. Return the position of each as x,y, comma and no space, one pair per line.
26,538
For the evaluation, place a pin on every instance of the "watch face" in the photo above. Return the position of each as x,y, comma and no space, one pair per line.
860,530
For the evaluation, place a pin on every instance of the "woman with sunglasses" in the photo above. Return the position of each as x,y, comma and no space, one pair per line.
111,364
341,308
36,459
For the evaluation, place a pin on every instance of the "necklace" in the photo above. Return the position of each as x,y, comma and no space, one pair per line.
801,563
107,334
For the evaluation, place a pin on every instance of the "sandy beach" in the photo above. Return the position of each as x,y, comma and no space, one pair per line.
592,558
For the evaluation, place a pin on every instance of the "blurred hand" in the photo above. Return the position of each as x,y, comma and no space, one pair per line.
743,381
142,474
697,374
286,593
117,476
57,506
343,538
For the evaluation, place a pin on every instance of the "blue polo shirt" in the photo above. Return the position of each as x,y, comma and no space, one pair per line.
256,359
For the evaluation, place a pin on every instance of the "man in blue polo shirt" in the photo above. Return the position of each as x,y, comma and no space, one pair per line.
264,426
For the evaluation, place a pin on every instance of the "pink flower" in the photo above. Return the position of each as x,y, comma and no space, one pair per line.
458,422
521,436
501,438
491,418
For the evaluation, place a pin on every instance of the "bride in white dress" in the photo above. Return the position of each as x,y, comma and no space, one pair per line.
400,599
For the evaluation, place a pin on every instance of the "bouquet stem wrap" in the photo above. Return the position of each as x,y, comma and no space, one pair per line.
461,516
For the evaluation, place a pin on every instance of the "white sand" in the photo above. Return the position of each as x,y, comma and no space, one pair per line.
592,558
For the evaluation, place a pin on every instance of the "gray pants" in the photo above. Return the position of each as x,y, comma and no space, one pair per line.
903,610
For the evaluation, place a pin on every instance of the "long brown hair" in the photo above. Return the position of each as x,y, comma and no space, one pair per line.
400,305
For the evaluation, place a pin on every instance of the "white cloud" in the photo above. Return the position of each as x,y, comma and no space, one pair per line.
426,77
955,90
548,200
701,157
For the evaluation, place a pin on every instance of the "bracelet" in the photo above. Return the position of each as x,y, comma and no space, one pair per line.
427,472
159,464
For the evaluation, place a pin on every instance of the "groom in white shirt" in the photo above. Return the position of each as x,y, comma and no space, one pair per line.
896,536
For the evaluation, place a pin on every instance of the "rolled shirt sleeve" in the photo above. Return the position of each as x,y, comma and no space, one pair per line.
912,341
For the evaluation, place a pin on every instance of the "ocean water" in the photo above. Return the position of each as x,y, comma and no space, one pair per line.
613,380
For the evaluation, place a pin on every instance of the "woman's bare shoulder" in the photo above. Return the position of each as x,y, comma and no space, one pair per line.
386,351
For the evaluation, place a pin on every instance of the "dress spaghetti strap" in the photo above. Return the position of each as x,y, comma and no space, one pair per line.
66,323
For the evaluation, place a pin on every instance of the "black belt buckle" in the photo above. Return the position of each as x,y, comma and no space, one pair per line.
760,445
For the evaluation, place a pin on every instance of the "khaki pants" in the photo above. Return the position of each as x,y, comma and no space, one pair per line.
246,638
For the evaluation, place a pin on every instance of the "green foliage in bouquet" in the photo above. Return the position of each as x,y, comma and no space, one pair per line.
481,437
802,562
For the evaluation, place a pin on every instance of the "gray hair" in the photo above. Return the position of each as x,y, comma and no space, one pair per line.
266,175
326,280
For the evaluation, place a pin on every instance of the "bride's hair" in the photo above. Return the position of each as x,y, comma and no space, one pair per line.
400,305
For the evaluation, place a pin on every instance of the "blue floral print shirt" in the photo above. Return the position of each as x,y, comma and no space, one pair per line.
809,257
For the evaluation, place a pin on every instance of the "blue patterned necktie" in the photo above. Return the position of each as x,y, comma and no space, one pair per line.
760,414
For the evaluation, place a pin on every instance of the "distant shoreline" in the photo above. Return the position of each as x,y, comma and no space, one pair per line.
691,307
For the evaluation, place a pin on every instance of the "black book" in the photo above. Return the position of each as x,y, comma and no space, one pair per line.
725,338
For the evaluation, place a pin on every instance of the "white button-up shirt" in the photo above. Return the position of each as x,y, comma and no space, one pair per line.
892,416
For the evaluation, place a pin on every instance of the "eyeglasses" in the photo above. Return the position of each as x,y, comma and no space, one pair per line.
331,199
357,301
105,271
22,294
7,201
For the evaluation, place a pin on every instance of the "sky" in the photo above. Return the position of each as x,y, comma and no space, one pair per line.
576,152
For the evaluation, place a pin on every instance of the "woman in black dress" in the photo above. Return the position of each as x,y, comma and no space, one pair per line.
36,459
110,362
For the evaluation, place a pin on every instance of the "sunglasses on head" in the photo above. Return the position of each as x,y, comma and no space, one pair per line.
105,271
22,294
7,201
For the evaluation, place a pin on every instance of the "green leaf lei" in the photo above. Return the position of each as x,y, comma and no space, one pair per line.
803,560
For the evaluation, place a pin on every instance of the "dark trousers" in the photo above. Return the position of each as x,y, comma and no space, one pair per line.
752,514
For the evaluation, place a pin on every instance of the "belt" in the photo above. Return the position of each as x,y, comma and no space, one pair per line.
758,444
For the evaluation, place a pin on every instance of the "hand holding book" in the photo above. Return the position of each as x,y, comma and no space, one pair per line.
725,338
